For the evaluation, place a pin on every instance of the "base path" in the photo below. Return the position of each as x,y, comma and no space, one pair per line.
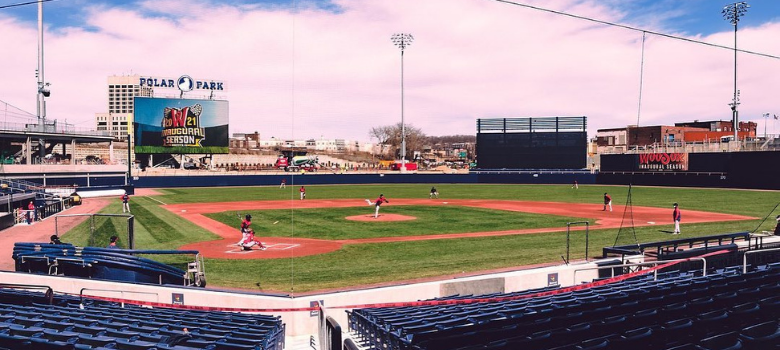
286,247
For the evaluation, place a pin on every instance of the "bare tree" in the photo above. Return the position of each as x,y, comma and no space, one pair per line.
390,135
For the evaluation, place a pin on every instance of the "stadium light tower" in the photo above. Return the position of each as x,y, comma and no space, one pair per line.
732,13
402,40
43,86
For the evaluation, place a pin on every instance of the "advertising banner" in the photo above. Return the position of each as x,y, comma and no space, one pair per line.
663,161
180,126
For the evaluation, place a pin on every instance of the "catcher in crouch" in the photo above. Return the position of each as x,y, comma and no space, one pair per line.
250,241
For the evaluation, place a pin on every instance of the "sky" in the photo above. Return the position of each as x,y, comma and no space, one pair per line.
328,69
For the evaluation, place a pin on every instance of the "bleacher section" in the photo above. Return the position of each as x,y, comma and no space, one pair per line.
106,263
29,321
16,194
678,310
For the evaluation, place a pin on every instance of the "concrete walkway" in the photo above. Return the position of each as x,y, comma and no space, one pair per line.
41,231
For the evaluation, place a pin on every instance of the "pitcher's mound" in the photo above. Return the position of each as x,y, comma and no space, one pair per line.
382,217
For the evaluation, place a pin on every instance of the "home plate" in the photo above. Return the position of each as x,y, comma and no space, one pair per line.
651,222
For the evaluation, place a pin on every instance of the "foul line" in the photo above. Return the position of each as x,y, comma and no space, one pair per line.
157,200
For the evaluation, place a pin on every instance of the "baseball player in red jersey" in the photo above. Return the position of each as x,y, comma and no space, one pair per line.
378,202
303,193
245,228
125,203
607,202
676,216
250,241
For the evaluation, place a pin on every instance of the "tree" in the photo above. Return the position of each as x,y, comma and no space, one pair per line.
390,135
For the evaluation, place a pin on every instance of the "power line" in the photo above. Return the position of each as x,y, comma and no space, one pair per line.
22,4
590,19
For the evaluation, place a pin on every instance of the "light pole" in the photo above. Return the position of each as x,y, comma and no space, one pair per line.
402,40
732,13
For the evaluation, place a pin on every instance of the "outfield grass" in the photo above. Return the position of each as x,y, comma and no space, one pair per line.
330,223
363,264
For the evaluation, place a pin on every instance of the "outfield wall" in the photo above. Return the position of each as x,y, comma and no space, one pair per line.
487,177
754,170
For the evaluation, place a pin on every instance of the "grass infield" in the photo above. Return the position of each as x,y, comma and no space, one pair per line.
355,265
330,223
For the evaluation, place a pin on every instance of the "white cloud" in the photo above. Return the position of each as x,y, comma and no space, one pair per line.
315,73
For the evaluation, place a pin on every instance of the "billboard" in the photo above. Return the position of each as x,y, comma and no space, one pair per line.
663,161
180,126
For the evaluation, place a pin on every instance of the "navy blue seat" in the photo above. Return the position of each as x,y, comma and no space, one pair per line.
56,335
761,336
95,340
712,323
131,344
640,338
594,344
14,342
725,341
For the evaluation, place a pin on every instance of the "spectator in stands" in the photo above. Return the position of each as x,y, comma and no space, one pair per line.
112,242
30,213
180,338
777,227
54,240
607,202
676,215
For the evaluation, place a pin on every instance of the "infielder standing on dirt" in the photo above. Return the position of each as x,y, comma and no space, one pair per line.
245,228
378,202
607,202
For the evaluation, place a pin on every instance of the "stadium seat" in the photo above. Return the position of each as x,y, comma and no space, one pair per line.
725,341
96,340
133,344
594,344
761,336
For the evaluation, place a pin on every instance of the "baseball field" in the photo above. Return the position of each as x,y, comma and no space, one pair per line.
331,240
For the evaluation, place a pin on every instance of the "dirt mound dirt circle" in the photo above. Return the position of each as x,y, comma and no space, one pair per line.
381,218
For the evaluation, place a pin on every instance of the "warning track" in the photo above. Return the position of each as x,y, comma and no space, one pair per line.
286,247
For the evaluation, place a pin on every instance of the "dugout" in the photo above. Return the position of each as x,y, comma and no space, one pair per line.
532,143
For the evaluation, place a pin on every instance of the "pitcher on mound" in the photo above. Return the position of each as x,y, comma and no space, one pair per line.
378,202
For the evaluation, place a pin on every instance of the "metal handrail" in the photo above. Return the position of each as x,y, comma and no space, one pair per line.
744,256
121,294
49,291
704,268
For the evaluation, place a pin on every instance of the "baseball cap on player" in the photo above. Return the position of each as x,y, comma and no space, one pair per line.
674,205
248,217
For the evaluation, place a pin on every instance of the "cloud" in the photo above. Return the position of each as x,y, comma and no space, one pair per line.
313,71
